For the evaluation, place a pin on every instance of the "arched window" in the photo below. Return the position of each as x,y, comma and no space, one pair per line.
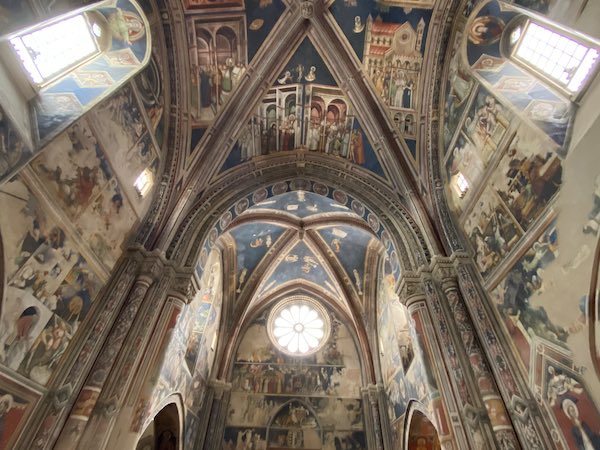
316,112
333,114
409,125
204,43
290,105
399,120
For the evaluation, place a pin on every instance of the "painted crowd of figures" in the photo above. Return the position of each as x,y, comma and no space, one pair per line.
330,137
278,401
392,85
217,82
282,379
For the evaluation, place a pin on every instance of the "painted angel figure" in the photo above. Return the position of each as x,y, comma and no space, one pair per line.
560,384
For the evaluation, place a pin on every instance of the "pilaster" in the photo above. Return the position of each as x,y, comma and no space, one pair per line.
218,414
495,411
525,412
386,426
373,415
412,295
103,395
45,426
479,432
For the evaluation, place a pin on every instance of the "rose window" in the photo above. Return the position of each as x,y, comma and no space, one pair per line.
299,326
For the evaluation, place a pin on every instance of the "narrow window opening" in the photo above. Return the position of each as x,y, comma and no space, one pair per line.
462,185
50,51
144,182
566,61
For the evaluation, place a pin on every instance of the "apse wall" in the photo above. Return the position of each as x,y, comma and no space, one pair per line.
271,389
530,214
64,220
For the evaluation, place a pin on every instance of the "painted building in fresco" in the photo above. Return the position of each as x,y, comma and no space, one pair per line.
269,225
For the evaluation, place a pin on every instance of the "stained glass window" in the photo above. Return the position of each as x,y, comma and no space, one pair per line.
299,326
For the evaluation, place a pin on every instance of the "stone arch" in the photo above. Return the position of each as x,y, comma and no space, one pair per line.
165,426
357,330
205,45
412,248
225,44
420,432
265,382
2,275
592,310
399,352
306,411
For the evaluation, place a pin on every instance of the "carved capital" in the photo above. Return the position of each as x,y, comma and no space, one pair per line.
152,268
373,392
475,416
521,408
219,387
445,272
61,396
411,290
184,288
108,407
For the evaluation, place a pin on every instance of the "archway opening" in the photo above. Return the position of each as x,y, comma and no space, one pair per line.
163,432
295,425
422,435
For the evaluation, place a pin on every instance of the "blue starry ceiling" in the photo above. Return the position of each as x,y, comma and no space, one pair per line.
300,263
252,242
300,204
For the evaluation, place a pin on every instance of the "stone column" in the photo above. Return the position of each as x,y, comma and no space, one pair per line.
372,416
79,431
451,431
368,417
221,395
204,416
120,380
480,434
495,410
378,415
386,426
527,416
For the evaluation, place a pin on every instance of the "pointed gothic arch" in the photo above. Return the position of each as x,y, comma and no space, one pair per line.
292,433
264,303
165,429
420,432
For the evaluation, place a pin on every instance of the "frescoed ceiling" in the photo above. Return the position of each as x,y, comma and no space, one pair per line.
299,204
350,246
252,241
223,37
389,39
300,264
280,243
305,109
